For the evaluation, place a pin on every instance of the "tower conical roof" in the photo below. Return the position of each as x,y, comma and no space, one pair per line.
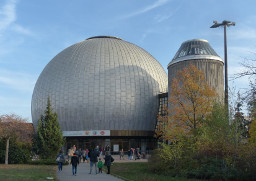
195,49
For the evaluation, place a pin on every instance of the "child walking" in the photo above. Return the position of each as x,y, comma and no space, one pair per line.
100,165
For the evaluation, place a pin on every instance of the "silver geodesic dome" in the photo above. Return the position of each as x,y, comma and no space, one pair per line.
102,83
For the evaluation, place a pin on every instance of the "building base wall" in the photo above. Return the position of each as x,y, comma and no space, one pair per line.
116,143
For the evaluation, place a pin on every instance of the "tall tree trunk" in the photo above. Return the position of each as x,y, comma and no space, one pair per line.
6,151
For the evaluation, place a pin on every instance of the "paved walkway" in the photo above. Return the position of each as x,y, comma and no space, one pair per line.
83,170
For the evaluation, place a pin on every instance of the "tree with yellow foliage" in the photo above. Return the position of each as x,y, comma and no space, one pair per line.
190,103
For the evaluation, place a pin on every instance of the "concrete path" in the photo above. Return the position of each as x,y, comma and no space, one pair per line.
83,170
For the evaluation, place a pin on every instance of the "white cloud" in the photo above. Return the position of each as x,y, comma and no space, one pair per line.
146,33
238,54
146,9
8,18
155,30
21,30
17,105
236,69
250,20
7,14
12,102
245,32
161,18
240,84
241,50
16,80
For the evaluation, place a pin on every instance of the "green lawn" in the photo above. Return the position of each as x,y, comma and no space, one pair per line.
139,172
26,172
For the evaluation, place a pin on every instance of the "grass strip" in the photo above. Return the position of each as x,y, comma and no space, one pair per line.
21,172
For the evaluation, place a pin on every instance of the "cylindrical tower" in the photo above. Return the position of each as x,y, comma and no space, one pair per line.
199,53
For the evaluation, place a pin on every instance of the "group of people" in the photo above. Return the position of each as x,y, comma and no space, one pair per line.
92,155
81,154
134,153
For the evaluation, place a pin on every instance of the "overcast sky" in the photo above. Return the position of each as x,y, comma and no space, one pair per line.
32,32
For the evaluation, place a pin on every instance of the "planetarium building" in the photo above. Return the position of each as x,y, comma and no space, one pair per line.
105,92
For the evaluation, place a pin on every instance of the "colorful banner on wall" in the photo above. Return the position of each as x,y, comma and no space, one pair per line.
87,133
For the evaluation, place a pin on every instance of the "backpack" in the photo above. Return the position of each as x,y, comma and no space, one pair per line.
58,159
112,159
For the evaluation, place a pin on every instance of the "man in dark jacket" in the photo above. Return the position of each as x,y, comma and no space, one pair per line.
74,162
129,154
108,160
94,154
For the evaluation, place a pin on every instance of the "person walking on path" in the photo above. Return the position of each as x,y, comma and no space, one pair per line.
100,165
60,159
122,154
132,153
108,160
87,155
100,150
94,154
69,154
74,162
84,155
79,154
129,154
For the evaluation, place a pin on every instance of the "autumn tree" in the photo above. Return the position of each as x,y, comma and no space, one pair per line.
191,101
48,138
14,126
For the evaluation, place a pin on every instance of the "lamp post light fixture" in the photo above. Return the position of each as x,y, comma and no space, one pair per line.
225,24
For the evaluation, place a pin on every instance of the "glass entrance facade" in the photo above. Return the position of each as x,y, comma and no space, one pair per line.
145,144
